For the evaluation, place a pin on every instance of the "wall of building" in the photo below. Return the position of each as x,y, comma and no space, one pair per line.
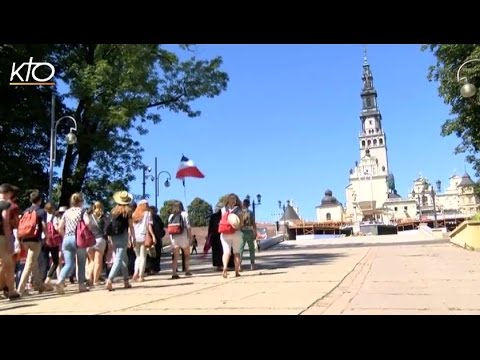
401,210
336,213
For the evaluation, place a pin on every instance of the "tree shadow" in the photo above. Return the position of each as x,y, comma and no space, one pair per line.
277,260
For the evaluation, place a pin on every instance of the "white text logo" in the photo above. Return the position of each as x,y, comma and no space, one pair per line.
31,78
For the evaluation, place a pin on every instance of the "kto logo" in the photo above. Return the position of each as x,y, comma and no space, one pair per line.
32,67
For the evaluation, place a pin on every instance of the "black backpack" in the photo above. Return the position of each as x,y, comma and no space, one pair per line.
116,226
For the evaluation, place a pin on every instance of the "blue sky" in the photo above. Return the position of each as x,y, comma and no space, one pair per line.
287,127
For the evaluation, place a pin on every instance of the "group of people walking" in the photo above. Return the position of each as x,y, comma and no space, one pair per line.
43,243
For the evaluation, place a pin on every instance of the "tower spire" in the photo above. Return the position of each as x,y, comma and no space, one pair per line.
365,59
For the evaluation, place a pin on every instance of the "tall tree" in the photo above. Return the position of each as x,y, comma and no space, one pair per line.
166,210
465,120
199,211
25,123
116,89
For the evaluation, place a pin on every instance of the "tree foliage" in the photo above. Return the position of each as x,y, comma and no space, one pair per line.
25,123
166,210
113,90
118,88
465,120
199,211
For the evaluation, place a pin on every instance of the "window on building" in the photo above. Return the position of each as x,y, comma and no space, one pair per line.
380,141
369,142
405,208
329,216
369,104
370,122
374,142
395,208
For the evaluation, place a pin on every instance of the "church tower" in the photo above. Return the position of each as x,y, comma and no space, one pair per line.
372,135
370,180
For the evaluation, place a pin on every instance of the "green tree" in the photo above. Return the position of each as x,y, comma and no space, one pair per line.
199,211
115,89
166,210
465,120
25,123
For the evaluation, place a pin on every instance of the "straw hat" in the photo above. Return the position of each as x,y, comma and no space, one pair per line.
234,220
122,197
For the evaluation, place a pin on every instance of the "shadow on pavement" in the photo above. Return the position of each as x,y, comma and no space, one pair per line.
15,305
158,286
277,260
356,245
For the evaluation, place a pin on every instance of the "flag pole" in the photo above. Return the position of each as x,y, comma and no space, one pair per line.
185,192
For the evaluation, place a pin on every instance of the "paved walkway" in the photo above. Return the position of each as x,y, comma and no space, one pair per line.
416,277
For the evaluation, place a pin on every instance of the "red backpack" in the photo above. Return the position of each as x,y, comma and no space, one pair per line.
224,227
54,238
28,227
84,236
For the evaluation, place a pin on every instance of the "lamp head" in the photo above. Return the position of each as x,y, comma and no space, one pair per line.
167,183
468,90
259,199
71,138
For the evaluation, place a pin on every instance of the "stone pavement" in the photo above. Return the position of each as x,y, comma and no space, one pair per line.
427,277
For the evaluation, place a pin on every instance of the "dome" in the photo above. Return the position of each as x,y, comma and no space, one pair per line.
329,199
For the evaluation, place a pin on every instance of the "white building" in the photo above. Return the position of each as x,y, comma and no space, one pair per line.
330,209
370,180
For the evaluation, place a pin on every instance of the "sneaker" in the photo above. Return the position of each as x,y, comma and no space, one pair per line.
14,296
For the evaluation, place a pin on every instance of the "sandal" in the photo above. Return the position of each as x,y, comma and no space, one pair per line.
174,277
225,274
127,285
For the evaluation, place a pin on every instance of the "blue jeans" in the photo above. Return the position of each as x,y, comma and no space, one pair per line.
19,266
120,243
69,250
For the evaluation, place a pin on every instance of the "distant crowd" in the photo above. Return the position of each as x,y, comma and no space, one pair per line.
87,246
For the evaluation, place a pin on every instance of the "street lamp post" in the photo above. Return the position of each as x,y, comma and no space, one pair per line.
71,139
258,203
284,208
166,183
146,169
467,90
433,194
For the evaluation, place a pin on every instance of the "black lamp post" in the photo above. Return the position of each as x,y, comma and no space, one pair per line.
258,203
157,178
146,169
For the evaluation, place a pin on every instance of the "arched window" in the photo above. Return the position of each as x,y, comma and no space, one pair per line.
380,141
363,143
369,142
375,142
329,216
